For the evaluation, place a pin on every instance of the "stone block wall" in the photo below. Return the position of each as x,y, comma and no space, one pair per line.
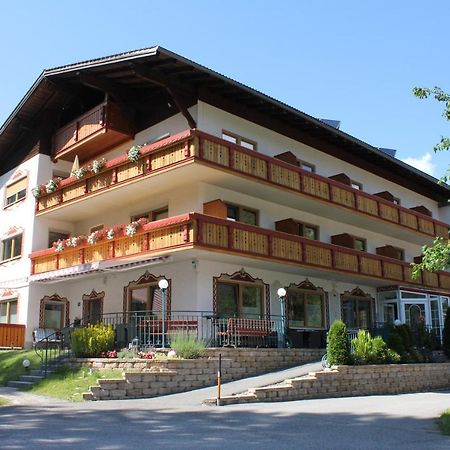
349,381
151,378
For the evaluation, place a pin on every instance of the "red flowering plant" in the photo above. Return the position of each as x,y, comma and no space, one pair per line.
146,355
108,354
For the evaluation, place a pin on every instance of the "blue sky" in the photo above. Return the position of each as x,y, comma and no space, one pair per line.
350,60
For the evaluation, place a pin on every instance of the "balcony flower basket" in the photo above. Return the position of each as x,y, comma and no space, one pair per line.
97,165
52,185
110,234
79,173
74,241
134,153
59,246
37,191
95,237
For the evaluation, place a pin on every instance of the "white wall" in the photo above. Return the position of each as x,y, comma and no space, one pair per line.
212,120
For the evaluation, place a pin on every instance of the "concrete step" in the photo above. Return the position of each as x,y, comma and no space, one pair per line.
31,378
20,384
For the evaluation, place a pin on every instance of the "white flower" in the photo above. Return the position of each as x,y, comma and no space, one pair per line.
97,165
134,153
172,354
52,185
59,247
130,229
92,238
36,191
72,242
110,234
79,173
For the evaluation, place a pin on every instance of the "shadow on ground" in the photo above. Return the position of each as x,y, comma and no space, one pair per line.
256,426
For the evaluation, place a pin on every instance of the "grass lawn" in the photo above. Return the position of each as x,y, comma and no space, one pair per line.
444,422
67,384
4,402
11,364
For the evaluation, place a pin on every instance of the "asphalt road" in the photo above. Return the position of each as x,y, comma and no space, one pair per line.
180,421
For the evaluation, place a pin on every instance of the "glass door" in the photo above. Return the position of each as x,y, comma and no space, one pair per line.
415,314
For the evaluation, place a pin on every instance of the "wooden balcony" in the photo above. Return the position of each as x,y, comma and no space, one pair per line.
210,233
89,135
196,146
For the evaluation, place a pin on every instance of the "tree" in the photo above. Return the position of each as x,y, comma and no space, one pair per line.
338,345
437,256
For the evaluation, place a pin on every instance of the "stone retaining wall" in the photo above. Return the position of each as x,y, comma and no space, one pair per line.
151,378
350,381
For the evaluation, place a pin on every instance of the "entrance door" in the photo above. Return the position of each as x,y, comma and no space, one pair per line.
415,314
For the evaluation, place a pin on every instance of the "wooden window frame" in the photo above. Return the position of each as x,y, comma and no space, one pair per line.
16,194
363,240
347,296
150,215
316,229
305,292
240,301
239,139
241,208
354,183
8,309
95,228
13,247
58,232
302,163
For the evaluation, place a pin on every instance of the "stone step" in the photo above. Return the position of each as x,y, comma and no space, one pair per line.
20,384
31,378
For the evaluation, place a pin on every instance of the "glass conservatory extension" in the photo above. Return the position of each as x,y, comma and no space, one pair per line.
413,308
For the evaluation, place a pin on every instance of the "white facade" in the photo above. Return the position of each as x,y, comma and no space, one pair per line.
192,272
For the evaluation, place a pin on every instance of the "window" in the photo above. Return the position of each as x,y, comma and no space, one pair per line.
242,214
305,308
12,247
157,214
356,185
309,231
16,191
357,309
306,166
239,140
96,228
55,236
8,311
239,300
54,312
360,244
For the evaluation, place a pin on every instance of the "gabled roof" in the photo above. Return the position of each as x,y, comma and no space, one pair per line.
147,71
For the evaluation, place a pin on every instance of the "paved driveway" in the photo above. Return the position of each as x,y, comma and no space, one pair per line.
179,421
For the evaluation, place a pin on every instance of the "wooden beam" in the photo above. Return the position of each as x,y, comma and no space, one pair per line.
163,81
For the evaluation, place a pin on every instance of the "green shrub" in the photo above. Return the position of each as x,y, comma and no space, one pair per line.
338,346
368,350
446,335
188,347
89,342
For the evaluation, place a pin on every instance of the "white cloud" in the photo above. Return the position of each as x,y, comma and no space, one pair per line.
422,163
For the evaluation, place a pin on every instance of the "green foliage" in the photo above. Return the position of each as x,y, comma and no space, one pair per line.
444,422
412,346
338,346
435,258
68,384
368,350
188,347
11,367
446,336
90,341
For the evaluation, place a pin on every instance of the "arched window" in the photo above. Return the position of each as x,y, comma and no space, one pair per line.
93,307
306,306
357,309
240,295
54,312
144,294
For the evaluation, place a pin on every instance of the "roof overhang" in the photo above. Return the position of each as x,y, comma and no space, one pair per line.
153,70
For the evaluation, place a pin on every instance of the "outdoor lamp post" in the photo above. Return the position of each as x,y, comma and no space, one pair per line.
282,295
163,285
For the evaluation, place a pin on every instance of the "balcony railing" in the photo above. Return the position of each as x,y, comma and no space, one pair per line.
194,145
206,232
91,132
